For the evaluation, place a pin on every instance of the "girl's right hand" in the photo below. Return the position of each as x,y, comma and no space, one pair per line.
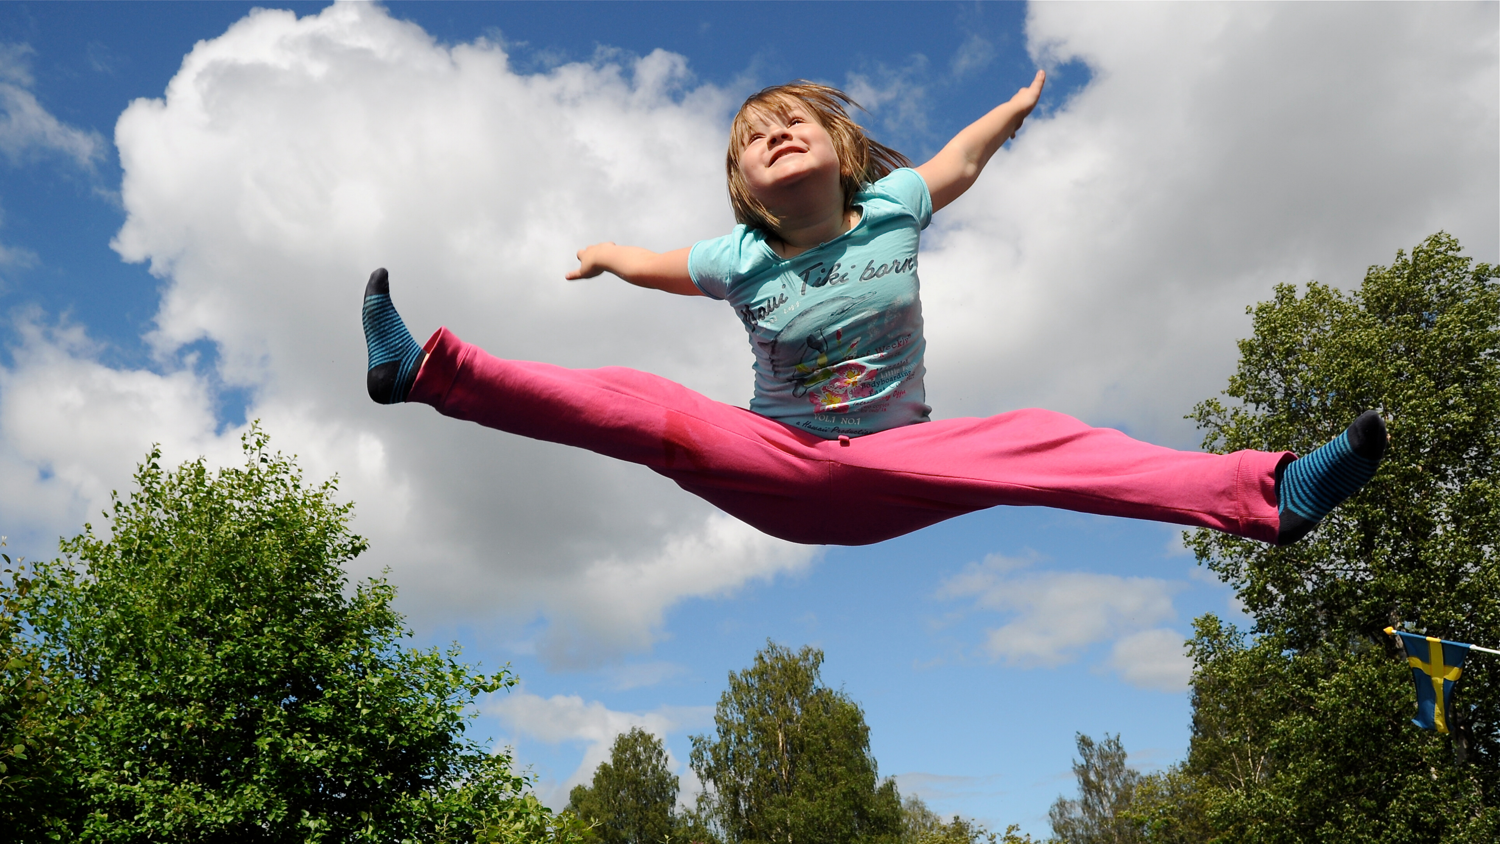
591,261
657,270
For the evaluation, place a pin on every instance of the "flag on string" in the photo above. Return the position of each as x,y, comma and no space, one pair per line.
1435,667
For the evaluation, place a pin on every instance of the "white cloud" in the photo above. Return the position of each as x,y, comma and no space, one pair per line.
15,256
1100,268
642,674
291,156
1103,264
1202,574
973,55
1153,659
933,788
626,597
1237,613
1176,546
71,429
26,128
896,97
1055,615
568,719
950,795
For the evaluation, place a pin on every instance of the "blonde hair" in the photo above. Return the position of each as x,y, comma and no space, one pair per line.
861,160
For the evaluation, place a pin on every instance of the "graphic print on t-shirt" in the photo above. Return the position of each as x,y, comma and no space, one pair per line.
818,351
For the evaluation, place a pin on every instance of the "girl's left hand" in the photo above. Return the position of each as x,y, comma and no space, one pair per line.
1026,99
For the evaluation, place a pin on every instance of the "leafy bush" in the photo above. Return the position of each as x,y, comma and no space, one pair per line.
218,681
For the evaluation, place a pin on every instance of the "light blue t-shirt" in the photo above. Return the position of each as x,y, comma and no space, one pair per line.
836,330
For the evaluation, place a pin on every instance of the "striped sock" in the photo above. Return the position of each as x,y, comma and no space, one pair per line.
1312,485
394,355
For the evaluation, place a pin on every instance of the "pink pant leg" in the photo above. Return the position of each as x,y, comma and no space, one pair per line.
801,487
1043,458
760,471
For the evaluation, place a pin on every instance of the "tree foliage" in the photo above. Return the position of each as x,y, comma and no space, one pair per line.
1301,730
33,781
1420,341
632,798
220,682
1301,725
1317,745
790,762
921,825
1169,808
1106,791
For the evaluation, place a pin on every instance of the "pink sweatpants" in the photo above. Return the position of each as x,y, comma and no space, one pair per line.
801,487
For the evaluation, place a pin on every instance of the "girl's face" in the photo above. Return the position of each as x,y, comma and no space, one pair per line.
788,153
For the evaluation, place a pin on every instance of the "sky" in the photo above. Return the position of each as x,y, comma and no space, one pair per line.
192,195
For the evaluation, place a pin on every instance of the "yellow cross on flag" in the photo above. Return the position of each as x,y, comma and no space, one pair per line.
1434,675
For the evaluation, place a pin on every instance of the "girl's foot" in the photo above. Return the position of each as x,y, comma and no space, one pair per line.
1312,485
395,356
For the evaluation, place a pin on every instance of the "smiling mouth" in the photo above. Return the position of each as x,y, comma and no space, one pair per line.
784,151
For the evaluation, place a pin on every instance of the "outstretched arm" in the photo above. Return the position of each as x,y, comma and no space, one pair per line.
954,169
657,270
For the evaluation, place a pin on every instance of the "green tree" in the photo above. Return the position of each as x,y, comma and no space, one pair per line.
220,683
791,762
921,825
918,822
632,798
34,785
1317,745
1106,792
1168,808
1300,731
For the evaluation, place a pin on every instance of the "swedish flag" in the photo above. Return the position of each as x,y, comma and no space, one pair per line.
1435,666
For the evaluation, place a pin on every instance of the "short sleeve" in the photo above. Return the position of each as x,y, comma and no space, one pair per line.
907,188
712,264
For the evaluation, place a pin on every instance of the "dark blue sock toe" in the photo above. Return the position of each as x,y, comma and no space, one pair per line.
1312,485
394,354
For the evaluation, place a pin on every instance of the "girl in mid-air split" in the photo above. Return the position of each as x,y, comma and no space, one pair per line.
836,447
